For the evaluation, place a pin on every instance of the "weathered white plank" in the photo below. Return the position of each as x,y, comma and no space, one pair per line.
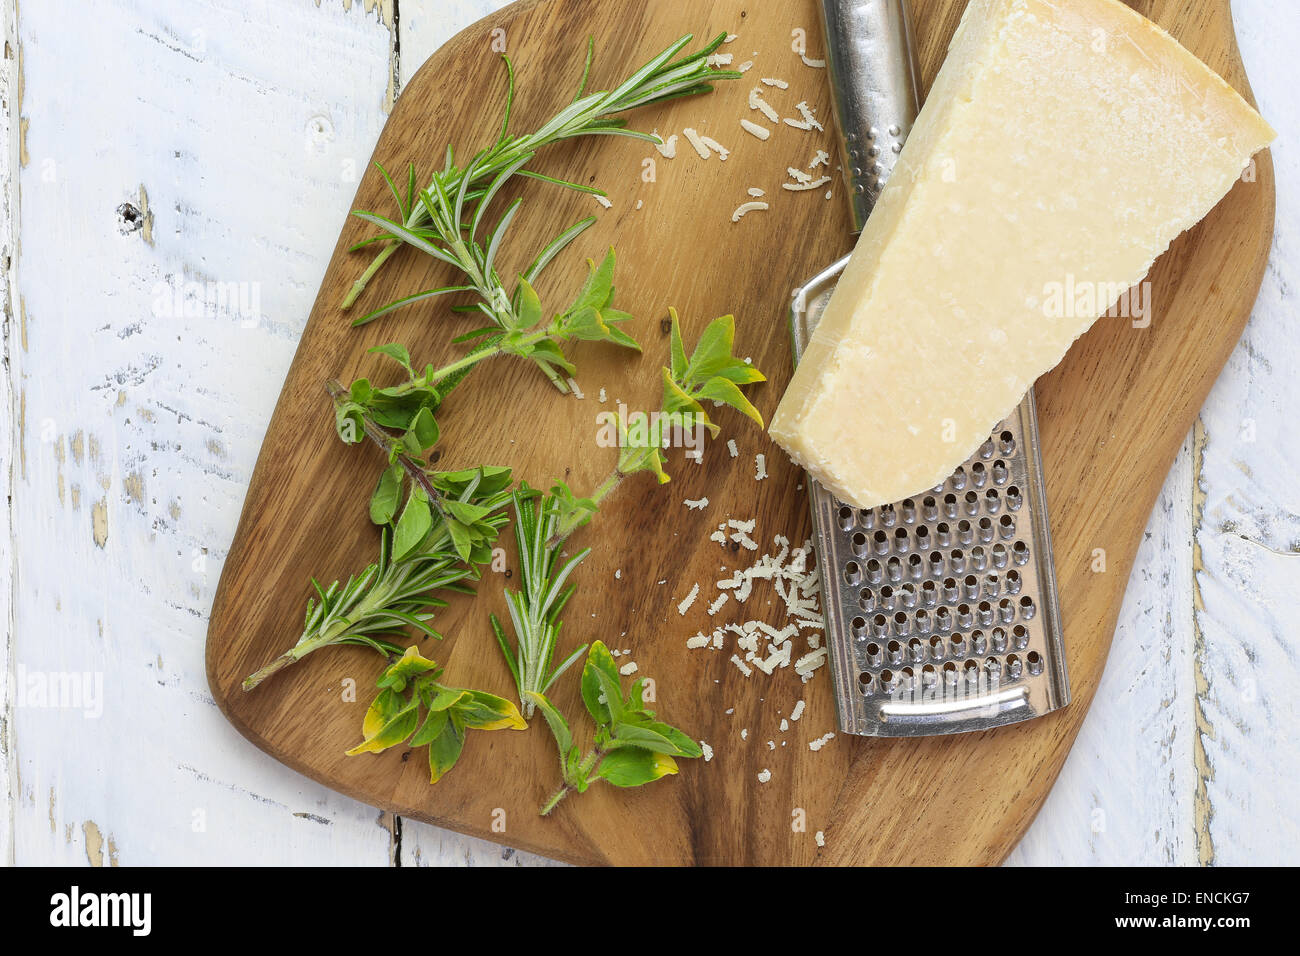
1125,794
425,25
9,106
1248,538
237,131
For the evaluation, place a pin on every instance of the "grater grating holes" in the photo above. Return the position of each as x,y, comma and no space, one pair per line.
950,613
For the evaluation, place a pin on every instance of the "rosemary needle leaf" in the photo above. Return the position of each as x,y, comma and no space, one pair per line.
370,241
490,193
586,68
504,643
407,235
476,334
409,300
576,187
402,207
556,247
510,98
494,241
568,662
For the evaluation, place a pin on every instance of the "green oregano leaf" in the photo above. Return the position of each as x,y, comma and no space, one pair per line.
387,495
530,306
423,429
398,353
432,729
413,525
445,749
629,748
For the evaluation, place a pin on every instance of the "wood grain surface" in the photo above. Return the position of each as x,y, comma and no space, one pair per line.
956,800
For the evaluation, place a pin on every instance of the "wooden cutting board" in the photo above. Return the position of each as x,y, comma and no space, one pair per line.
1113,416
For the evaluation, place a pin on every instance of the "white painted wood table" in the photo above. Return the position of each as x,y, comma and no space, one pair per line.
160,149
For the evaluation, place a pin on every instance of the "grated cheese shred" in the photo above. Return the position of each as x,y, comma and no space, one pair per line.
756,102
667,149
745,209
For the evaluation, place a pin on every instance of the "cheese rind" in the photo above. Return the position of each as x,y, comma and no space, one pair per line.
1062,148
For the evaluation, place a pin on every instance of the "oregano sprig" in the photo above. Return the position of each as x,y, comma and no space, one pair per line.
630,747
410,688
711,374
409,494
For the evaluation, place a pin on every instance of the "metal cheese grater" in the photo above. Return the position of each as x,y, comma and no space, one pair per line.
941,610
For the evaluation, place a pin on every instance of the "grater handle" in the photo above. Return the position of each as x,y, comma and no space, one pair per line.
873,76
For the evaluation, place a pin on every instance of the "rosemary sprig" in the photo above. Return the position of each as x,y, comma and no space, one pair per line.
535,608
629,747
411,686
432,219
397,592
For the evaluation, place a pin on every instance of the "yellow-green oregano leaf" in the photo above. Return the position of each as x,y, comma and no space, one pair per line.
386,725
410,664
630,767
713,352
719,389
479,710
676,349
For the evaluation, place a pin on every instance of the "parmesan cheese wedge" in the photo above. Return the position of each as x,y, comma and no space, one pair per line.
1063,146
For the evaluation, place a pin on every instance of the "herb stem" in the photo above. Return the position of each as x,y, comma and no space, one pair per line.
589,765
551,804
571,522
277,665
521,344
390,447
465,362
305,646
359,286
607,487
295,654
